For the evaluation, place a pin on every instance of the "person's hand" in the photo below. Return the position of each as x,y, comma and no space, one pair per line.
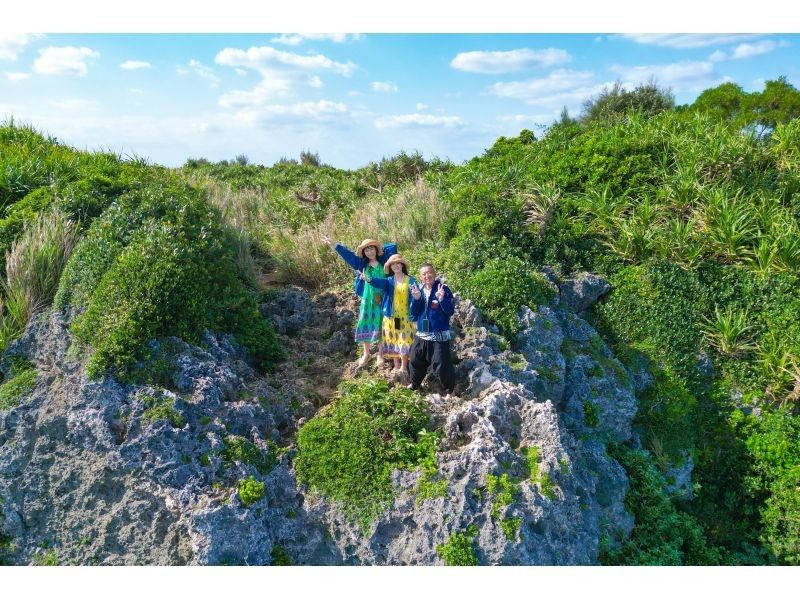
415,292
362,277
440,293
327,240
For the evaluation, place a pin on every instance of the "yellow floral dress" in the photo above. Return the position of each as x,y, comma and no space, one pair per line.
397,340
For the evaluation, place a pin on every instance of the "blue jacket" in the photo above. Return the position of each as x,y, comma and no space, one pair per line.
387,286
358,263
437,312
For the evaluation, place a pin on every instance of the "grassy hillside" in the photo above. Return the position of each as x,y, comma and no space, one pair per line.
692,213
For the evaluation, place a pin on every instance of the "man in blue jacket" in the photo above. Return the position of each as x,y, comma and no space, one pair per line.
431,307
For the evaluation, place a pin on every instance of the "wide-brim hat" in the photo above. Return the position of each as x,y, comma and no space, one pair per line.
368,243
395,259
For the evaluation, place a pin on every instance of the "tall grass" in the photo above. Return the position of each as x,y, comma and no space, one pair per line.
33,271
245,212
414,214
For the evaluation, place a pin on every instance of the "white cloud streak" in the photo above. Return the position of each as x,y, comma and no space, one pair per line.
384,87
131,65
418,120
265,59
680,76
321,111
560,86
295,39
65,60
509,61
201,70
14,77
687,40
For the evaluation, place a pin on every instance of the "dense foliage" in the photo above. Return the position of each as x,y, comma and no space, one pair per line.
348,451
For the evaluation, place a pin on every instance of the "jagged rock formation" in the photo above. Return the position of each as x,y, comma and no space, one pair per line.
110,473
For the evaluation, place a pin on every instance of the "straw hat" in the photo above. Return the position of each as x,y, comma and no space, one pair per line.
395,259
368,243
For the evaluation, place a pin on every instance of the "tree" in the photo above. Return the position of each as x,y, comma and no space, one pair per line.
309,159
615,101
724,102
777,104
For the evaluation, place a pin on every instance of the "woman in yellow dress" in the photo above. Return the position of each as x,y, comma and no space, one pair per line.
397,329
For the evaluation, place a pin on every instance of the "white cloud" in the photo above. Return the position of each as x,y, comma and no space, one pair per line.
15,77
508,62
545,90
323,110
420,106
762,47
131,65
354,93
687,40
718,56
418,120
201,70
680,76
65,60
241,72
315,82
75,104
384,87
295,39
266,60
261,94
12,44
526,119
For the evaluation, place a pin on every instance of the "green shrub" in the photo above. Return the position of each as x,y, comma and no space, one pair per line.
348,451
502,491
459,550
159,263
250,491
280,556
511,527
662,534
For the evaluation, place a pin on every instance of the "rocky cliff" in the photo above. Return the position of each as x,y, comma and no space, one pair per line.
191,463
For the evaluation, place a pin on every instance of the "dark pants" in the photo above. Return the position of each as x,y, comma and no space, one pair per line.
433,354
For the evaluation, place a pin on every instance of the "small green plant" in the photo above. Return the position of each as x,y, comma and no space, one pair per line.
459,550
510,527
238,448
205,460
502,491
547,486
591,413
728,332
250,490
280,556
205,420
48,558
162,407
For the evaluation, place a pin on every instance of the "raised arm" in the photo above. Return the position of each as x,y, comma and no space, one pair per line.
348,256
381,283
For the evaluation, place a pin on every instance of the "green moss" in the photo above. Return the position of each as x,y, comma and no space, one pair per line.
280,556
502,491
250,490
238,448
547,486
48,558
21,383
162,407
459,550
510,527
531,454
348,451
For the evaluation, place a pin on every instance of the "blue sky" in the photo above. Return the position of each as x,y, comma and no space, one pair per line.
351,98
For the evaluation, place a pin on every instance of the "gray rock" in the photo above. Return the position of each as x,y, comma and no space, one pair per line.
580,293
